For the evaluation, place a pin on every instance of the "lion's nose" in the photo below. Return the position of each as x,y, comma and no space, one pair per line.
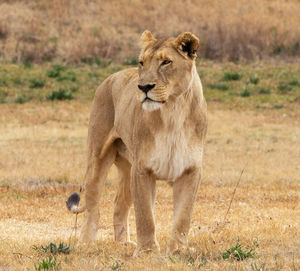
146,88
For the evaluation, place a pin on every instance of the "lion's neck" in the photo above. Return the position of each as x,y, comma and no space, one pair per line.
175,113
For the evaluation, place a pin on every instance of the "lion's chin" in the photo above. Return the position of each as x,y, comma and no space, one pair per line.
151,105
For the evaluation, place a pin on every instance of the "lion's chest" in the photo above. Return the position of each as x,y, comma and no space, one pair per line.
172,154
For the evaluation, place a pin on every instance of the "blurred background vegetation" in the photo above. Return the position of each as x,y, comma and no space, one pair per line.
96,30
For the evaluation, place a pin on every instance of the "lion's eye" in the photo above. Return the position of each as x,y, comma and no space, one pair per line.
166,62
141,63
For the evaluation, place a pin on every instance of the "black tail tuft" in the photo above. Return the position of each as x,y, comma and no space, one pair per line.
73,200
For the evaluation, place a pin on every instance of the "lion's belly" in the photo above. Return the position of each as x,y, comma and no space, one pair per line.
172,155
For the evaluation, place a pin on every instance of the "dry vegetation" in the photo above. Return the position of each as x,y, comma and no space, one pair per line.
42,160
37,30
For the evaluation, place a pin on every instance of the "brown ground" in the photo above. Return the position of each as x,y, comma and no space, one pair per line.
42,159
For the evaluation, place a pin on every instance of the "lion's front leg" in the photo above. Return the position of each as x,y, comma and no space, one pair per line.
143,196
185,191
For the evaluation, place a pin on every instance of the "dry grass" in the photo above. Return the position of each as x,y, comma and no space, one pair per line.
42,154
37,30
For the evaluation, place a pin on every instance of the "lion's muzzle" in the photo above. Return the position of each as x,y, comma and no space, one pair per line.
146,88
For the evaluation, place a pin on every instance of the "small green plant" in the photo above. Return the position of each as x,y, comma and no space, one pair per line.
3,95
17,81
47,263
294,83
93,75
245,93
21,99
37,83
71,76
131,61
283,87
254,79
232,76
19,196
52,248
238,253
3,82
116,266
277,106
61,94
218,86
96,61
74,89
115,69
88,60
264,91
27,64
55,71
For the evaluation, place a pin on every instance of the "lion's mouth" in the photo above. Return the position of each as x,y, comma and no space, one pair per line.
149,99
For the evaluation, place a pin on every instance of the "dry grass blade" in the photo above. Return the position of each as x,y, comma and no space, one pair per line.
224,222
236,186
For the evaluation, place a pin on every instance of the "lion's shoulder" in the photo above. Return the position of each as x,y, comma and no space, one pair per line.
125,77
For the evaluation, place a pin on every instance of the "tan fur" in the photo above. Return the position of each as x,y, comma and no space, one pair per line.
148,140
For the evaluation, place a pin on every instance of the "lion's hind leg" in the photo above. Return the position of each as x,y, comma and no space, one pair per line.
96,174
123,201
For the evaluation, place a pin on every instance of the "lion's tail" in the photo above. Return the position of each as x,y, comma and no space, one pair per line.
72,204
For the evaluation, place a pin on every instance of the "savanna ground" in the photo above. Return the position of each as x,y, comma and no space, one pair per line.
254,124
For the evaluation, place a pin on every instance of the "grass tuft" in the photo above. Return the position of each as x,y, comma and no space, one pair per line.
3,95
96,61
283,87
47,263
219,86
60,95
264,91
55,71
3,83
232,76
254,79
245,93
21,99
277,106
117,265
69,76
52,248
238,253
27,64
133,61
294,83
74,89
37,83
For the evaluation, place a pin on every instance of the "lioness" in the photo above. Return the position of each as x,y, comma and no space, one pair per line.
151,123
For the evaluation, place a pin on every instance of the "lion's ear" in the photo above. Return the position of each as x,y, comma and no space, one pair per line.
146,38
187,44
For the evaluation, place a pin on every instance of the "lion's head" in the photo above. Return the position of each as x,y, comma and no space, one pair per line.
165,68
